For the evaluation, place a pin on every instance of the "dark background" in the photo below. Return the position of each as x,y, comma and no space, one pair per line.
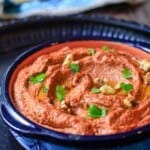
139,13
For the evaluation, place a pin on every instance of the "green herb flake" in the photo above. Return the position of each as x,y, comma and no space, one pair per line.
106,48
45,89
60,92
96,112
91,51
95,90
37,78
126,87
74,67
127,73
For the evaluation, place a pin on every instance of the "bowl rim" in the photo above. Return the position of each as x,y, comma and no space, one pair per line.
39,129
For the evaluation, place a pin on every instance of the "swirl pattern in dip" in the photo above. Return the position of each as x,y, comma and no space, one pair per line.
85,90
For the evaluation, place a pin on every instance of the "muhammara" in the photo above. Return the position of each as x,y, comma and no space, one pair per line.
85,90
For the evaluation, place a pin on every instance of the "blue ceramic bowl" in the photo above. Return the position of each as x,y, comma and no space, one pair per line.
50,139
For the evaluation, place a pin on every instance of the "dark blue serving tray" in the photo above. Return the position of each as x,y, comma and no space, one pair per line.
19,35
24,33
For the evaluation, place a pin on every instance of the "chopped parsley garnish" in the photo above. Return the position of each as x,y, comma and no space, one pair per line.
95,90
126,87
106,48
37,78
60,92
127,73
91,51
44,89
74,67
96,112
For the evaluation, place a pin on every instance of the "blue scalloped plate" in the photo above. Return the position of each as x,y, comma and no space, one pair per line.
34,144
32,31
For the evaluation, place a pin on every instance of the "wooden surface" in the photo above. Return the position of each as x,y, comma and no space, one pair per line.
139,13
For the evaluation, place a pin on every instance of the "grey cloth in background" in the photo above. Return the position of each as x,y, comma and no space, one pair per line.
24,8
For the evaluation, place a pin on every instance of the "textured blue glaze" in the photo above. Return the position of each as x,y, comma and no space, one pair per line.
35,144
